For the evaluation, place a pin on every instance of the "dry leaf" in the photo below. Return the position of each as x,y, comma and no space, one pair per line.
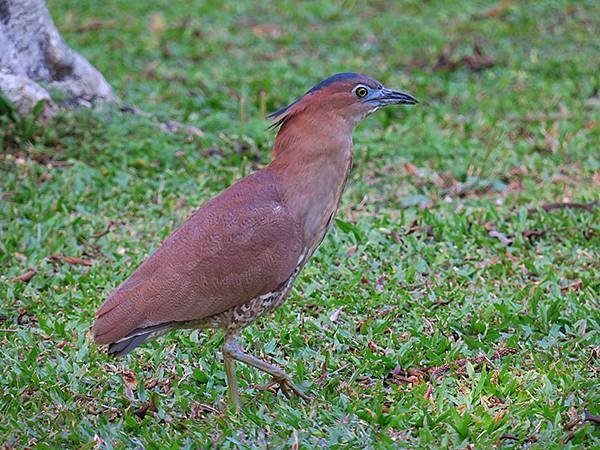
577,285
73,260
351,251
130,383
379,284
336,314
199,410
501,237
27,276
411,169
428,392
143,410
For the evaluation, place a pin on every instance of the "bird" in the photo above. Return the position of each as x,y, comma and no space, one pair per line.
236,258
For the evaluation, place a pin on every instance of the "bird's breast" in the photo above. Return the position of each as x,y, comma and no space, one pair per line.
324,205
311,178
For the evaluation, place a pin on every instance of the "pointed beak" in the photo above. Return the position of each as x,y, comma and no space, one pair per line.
388,97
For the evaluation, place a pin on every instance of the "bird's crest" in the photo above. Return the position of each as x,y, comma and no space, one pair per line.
281,116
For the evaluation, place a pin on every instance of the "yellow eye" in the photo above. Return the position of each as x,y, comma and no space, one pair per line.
361,92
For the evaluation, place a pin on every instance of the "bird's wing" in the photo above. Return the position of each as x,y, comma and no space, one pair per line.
241,244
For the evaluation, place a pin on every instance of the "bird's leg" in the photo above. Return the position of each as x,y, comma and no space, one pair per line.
232,383
236,352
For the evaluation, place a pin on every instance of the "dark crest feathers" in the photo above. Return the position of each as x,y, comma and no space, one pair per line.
280,116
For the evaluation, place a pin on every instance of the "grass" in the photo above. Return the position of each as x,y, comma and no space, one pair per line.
441,254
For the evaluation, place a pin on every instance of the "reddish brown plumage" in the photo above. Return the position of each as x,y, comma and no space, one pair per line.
241,244
239,254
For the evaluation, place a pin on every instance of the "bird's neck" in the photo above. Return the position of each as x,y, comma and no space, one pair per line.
311,164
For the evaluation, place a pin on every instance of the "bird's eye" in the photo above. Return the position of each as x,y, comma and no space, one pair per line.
361,92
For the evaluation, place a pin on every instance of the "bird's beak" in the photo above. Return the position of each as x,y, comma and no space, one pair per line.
386,97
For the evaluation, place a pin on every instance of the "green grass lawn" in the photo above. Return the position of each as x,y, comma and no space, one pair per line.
445,310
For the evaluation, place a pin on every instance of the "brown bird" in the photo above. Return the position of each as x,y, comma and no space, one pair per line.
237,256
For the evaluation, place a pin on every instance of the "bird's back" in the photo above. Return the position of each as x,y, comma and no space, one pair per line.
239,245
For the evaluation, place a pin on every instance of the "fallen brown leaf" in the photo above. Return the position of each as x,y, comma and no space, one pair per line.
565,205
400,376
25,317
428,392
111,224
364,380
336,314
27,276
515,185
20,256
147,406
505,240
528,234
199,408
499,415
376,348
573,425
575,286
351,251
478,60
411,169
573,419
130,383
73,260
380,283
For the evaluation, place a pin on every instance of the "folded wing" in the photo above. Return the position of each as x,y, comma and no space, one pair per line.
241,244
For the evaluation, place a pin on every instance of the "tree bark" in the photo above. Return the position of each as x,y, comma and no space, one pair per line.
34,59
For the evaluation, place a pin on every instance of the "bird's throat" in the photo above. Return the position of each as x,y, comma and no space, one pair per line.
311,177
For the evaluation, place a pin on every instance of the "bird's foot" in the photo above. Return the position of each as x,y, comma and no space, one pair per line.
286,386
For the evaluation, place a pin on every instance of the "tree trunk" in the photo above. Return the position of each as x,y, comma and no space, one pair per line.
35,59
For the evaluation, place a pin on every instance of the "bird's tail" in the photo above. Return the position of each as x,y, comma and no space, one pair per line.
138,337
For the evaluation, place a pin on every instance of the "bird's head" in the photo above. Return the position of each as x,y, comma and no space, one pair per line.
348,97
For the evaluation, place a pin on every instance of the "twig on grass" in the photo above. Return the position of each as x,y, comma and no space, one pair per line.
111,224
572,205
72,260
